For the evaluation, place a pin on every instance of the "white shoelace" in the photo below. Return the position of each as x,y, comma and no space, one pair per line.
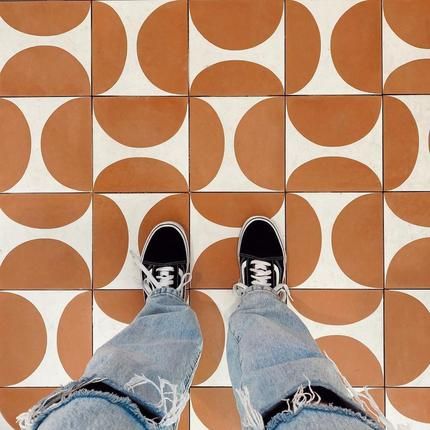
261,274
164,277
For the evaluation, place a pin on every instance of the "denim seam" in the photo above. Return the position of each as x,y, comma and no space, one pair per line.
123,402
166,291
260,289
286,416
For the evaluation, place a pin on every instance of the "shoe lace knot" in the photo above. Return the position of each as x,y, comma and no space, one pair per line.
161,277
261,276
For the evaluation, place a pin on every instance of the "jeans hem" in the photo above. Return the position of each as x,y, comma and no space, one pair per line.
167,291
127,405
287,416
259,289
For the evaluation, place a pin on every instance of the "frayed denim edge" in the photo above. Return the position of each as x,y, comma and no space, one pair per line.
125,403
286,416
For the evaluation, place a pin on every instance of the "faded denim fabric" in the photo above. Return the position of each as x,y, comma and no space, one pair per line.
271,355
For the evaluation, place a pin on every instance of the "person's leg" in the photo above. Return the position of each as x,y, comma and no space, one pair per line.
280,377
141,377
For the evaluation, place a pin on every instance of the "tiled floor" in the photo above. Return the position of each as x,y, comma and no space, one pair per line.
115,115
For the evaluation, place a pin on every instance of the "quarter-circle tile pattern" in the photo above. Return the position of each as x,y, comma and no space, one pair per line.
45,211
140,122
235,78
22,329
74,342
44,264
304,46
261,131
66,144
407,322
213,333
355,360
44,70
206,137
108,64
303,239
226,24
140,174
44,18
111,241
356,46
162,47
356,240
15,144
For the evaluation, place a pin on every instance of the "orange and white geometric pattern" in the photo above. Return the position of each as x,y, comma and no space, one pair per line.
235,131
144,52
116,115
406,51
48,49
333,48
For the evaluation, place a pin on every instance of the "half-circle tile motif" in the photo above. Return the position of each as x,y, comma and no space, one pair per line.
23,336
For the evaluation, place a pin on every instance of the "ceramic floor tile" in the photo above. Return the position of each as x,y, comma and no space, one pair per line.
407,324
53,327
334,143
409,407
45,144
214,409
13,401
228,59
213,309
406,50
406,143
215,220
140,144
48,50
111,111
45,241
348,326
333,49
122,222
407,240
237,144
334,240
113,310
145,50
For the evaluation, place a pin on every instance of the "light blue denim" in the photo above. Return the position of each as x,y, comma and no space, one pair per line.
270,355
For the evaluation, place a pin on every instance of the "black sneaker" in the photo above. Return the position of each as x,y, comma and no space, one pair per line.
261,257
165,259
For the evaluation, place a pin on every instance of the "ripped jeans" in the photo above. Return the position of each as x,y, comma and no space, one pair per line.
140,378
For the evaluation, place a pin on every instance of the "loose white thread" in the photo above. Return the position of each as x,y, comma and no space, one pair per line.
171,401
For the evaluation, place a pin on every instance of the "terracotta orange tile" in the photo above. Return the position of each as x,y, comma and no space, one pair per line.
214,232
407,240
334,143
14,401
145,50
140,144
123,222
32,67
348,327
226,57
245,149
46,144
335,50
214,408
334,240
407,322
54,327
406,47
46,241
409,406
